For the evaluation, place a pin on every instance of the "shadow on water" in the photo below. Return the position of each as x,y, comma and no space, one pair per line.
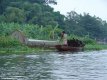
54,66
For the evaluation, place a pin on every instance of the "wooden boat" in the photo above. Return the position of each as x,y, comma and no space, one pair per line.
68,48
48,44
17,34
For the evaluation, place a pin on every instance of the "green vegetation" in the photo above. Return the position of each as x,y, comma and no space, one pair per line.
90,44
30,30
8,42
38,20
39,12
9,45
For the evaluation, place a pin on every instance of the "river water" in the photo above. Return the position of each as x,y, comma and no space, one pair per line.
54,66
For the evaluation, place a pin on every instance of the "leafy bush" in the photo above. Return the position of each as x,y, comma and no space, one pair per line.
30,30
85,39
8,42
89,41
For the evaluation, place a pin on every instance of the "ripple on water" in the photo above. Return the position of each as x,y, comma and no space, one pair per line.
55,66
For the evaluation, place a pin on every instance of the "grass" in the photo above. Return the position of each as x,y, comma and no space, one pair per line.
22,49
12,46
25,49
95,47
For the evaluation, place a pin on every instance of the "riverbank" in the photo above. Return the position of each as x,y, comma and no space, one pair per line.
26,49
95,47
22,50
9,45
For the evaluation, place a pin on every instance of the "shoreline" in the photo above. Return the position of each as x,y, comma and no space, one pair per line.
23,50
28,50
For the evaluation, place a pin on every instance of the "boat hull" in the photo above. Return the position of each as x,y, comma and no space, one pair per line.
68,48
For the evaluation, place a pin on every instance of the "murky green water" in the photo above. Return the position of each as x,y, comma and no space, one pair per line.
54,66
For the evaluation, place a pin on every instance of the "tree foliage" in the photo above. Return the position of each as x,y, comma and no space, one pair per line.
28,11
38,12
85,24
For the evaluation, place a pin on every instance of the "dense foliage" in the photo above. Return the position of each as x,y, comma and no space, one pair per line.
31,31
8,42
39,13
85,25
29,11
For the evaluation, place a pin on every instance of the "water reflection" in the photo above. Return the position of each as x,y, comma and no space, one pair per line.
54,66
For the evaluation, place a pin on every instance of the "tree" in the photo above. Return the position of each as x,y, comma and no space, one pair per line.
92,25
13,14
72,23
